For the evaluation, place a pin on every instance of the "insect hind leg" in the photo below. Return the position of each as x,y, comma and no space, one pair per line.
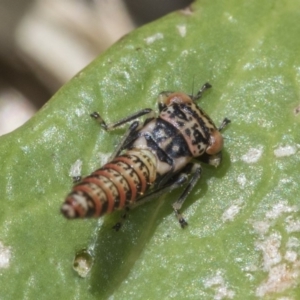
122,219
176,182
195,169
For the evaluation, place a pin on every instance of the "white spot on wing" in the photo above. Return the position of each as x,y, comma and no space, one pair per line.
253,155
151,39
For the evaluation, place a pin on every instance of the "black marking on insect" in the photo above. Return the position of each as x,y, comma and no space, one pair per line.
153,158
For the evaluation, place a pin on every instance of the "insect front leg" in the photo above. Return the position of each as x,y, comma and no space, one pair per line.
123,121
195,169
130,135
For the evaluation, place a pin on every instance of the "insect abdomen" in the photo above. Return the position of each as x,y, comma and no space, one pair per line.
117,184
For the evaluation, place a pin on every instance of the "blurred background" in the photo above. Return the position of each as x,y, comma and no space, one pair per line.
44,43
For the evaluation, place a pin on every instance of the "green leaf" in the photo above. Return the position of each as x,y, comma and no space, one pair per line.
243,238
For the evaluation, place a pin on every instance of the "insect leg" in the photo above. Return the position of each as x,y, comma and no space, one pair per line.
123,121
224,124
130,134
171,185
200,92
195,169
174,183
76,179
119,224
127,138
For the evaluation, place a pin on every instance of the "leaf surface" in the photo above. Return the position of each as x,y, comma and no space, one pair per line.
243,238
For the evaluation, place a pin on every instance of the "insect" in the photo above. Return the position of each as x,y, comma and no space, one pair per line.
153,158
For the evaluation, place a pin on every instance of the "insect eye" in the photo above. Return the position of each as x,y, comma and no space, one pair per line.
215,143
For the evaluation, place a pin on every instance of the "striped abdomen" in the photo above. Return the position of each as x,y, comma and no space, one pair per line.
114,186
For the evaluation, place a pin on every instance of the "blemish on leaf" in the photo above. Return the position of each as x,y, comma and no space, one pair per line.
83,262
182,30
293,242
285,151
290,256
75,170
187,11
151,39
253,155
5,256
242,180
281,277
279,258
231,212
297,110
270,250
280,208
292,225
218,284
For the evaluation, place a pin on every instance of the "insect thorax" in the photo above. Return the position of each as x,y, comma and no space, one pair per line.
180,133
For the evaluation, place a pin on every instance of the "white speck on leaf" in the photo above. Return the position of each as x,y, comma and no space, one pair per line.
103,158
231,212
285,151
184,53
293,242
290,256
218,284
270,250
281,277
280,208
279,258
151,39
253,155
75,169
241,179
79,112
292,225
261,227
5,256
181,30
